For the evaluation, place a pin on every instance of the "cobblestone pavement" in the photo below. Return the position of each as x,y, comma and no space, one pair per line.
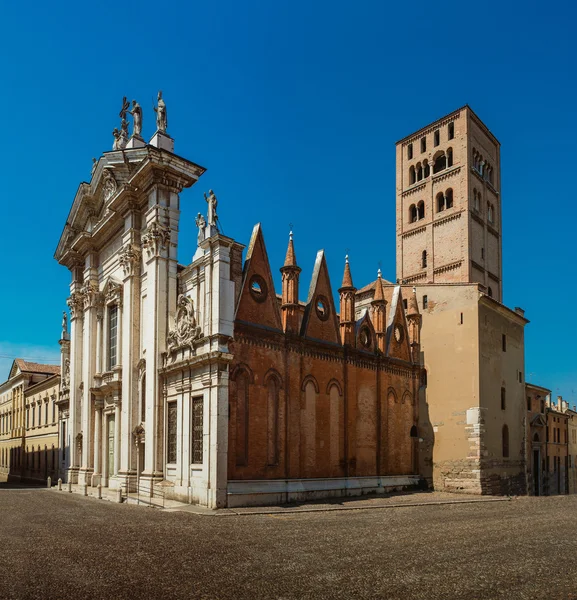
58,545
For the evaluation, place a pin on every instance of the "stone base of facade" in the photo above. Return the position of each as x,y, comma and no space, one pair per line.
284,491
470,476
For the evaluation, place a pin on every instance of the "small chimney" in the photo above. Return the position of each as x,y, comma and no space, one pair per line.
560,403
519,311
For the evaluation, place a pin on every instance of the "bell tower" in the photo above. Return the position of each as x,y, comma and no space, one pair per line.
448,204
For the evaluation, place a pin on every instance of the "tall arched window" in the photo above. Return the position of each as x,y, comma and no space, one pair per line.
489,212
426,169
410,151
413,215
505,441
440,163
143,398
421,210
242,419
412,178
440,202
449,198
424,259
449,157
272,418
419,172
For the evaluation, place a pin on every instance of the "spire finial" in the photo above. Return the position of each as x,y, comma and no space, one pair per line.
346,259
290,258
379,273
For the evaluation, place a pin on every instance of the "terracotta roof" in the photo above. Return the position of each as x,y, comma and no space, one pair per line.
32,367
290,258
347,278
372,286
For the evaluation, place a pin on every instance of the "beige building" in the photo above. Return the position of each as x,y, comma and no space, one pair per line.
449,204
23,376
572,449
557,464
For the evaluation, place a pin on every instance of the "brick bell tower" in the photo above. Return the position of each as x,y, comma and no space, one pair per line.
448,204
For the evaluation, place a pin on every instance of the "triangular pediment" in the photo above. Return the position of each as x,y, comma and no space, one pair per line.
257,303
538,421
320,318
14,370
397,345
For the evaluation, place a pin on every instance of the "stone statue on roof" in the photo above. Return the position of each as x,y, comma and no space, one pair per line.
161,117
136,113
64,325
212,204
201,224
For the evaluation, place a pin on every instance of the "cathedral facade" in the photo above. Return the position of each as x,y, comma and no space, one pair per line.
198,379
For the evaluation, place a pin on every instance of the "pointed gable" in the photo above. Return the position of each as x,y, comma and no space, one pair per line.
397,332
320,318
365,338
257,302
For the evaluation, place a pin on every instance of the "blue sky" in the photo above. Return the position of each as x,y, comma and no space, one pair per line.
294,108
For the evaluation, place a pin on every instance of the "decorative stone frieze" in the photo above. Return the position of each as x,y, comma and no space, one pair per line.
110,187
155,239
185,330
76,305
66,375
130,260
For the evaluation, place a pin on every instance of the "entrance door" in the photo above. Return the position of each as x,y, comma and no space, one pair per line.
110,446
536,473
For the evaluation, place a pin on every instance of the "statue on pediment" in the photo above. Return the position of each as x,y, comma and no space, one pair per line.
136,113
212,204
201,224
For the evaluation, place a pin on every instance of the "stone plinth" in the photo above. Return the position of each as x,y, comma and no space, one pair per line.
163,141
137,142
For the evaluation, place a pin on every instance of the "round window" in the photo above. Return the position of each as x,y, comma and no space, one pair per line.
365,337
258,289
399,334
322,308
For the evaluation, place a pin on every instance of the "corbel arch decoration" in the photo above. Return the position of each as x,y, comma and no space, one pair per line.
242,368
273,374
334,383
392,394
306,380
407,397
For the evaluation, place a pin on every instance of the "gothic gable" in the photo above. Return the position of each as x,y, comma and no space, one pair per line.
257,302
397,343
365,338
320,318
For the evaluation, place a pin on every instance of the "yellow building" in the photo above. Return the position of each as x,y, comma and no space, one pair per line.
41,452
572,449
13,401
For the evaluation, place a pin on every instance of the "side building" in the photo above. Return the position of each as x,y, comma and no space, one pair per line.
28,384
536,438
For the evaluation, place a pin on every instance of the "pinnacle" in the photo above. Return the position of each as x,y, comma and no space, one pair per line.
379,294
347,278
290,259
412,304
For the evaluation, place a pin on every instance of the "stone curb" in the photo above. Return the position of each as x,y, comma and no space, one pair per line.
231,512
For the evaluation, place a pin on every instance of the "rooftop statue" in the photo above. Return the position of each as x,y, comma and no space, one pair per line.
160,110
212,204
136,113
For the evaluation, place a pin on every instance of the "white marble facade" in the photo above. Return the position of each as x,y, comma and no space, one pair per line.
146,393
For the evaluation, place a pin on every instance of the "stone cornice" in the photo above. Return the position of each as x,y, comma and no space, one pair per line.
420,185
493,277
415,277
478,266
446,173
493,231
432,127
475,216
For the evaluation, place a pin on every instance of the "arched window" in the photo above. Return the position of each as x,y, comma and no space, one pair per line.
412,176
143,398
449,157
272,418
423,144
440,202
451,131
424,259
414,433
505,441
413,215
410,151
489,212
476,202
440,163
242,419
421,210
426,169
449,198
436,138
419,172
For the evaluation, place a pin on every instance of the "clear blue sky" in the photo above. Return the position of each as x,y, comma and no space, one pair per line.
294,108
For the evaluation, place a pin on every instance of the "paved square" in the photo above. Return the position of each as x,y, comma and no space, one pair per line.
59,545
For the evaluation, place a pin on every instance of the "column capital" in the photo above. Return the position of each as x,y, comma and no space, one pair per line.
76,305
